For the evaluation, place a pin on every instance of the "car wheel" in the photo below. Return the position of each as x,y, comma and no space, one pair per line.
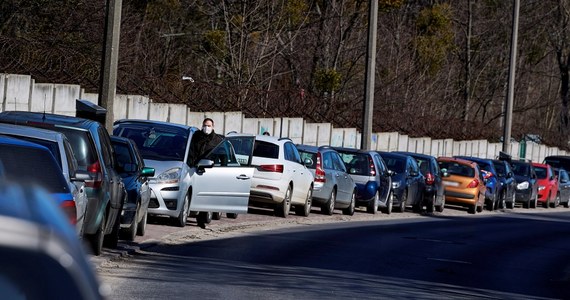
502,201
556,201
305,210
373,205
141,228
389,204
232,215
472,209
203,218
282,210
490,203
566,204
96,240
183,215
526,204
328,207
350,209
402,205
480,208
216,216
112,239
546,203
441,207
130,232
534,202
510,205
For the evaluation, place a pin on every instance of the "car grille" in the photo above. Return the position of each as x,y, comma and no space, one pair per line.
170,189
153,203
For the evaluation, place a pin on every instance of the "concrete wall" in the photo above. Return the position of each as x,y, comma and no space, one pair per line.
21,92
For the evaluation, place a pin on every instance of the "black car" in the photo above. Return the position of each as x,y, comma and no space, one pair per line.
563,186
408,183
507,181
92,148
130,166
434,196
527,184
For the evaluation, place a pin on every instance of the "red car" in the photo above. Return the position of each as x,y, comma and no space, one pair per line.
547,185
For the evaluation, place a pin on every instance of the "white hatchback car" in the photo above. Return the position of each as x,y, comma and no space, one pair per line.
280,178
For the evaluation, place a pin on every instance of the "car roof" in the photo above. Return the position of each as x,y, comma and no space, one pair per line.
152,122
415,154
35,132
311,148
120,139
261,137
353,150
474,158
393,155
22,117
5,140
534,164
459,160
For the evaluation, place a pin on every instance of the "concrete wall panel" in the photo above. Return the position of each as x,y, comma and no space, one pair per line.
402,143
295,130
249,125
2,90
42,97
18,91
350,138
120,107
91,97
324,134
138,107
195,118
65,96
337,137
265,125
374,141
219,120
232,121
178,114
158,111
310,133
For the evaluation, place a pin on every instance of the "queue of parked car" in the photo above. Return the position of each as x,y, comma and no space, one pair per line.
107,186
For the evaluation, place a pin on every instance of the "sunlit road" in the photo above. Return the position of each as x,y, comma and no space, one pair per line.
504,256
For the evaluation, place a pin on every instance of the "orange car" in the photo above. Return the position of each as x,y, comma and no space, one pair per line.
463,183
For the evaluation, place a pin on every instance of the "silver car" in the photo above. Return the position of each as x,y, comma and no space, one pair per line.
179,189
58,144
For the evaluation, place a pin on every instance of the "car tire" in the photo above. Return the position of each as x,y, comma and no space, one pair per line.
231,215
441,207
526,204
305,209
502,201
282,209
183,215
216,216
130,232
372,207
389,204
556,201
96,240
403,200
534,202
430,204
328,207
350,209
490,204
141,228
111,240
480,208
510,205
472,209
546,203
566,204
203,218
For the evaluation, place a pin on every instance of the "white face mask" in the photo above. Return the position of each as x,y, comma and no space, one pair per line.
207,129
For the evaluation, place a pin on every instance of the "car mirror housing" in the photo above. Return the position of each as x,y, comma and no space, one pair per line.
147,171
205,163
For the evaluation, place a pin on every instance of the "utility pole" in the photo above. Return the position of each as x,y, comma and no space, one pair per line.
109,61
512,71
368,109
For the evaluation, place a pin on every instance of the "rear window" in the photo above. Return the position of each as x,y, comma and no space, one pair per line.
82,146
53,147
541,172
395,164
558,162
455,168
356,163
500,167
21,164
265,149
312,156
521,169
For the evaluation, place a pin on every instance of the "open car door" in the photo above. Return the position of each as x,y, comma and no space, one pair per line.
220,183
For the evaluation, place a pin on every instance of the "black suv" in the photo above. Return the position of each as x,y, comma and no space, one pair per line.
92,148
434,196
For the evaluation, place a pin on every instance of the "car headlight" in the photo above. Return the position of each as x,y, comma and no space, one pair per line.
522,186
395,184
169,176
541,187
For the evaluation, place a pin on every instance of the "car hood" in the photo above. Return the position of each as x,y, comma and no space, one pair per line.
161,166
520,178
399,177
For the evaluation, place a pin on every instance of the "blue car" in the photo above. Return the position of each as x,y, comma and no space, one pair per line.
493,199
372,178
408,183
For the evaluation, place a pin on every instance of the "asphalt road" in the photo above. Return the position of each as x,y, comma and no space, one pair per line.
516,254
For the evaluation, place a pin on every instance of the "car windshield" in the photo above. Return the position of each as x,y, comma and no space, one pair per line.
455,168
158,143
21,165
540,172
356,163
123,157
395,164
500,169
521,169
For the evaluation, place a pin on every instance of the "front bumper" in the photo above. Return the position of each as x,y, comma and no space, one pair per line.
166,199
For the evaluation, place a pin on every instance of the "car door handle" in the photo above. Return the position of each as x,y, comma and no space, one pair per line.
242,177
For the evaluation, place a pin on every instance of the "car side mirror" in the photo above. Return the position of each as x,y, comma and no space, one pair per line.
147,171
81,175
204,163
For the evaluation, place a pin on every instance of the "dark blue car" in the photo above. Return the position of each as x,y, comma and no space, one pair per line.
372,178
408,183
493,199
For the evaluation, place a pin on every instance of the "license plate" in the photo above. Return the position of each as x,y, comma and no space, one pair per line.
451,183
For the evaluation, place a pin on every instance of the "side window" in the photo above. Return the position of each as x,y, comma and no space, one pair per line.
381,167
328,161
564,175
223,155
71,161
105,148
414,166
291,153
338,163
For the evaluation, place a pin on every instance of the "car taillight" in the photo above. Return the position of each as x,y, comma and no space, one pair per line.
95,171
70,211
487,175
430,179
372,168
474,183
319,172
271,168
